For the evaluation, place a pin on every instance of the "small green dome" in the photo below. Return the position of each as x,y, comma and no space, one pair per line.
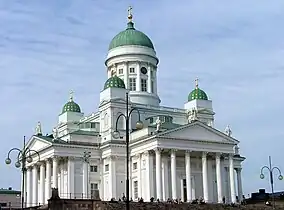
131,36
115,82
71,106
197,93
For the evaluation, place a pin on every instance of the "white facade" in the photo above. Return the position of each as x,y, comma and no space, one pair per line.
176,155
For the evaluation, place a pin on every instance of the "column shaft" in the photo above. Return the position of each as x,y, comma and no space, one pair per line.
149,189
219,179
139,176
35,187
232,179
240,188
138,73
126,77
55,173
48,181
188,176
85,180
165,178
29,187
71,178
173,174
158,174
42,183
150,88
205,177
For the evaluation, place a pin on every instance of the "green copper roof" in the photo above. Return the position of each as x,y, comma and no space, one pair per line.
130,36
197,93
115,82
71,106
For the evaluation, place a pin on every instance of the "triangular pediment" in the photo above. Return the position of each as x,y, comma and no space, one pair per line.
198,131
37,143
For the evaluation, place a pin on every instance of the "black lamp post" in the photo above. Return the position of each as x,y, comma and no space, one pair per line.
139,125
23,156
270,169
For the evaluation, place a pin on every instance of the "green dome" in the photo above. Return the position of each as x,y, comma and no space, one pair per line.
115,82
197,93
71,106
131,36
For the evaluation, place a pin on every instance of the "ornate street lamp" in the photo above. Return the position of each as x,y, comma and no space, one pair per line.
139,125
271,169
24,155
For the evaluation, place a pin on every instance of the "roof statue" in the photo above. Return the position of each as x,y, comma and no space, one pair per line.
55,133
237,149
192,115
228,131
38,130
158,124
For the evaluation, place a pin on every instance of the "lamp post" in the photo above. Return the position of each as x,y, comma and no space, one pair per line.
139,125
24,155
271,169
86,159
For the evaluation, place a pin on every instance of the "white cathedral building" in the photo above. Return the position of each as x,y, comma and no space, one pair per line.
178,153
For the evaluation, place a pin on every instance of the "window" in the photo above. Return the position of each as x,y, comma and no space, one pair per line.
135,189
120,71
134,166
93,168
106,167
94,188
132,70
132,84
144,85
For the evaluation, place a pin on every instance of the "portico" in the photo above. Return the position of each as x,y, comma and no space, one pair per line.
192,167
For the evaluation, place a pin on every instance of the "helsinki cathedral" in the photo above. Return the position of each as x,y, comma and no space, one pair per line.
174,153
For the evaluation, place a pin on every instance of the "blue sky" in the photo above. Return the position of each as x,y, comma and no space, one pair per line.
236,48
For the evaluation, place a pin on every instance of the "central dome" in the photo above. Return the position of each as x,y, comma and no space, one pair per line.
131,36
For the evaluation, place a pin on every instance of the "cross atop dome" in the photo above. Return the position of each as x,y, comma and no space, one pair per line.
71,97
196,83
130,16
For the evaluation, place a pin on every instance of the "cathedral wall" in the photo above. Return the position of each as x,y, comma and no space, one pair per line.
78,176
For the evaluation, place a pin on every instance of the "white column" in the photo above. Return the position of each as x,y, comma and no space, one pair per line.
85,180
112,177
138,73
188,176
173,174
155,81
71,178
239,180
131,191
158,174
205,177
126,73
29,187
149,188
219,178
150,88
139,176
55,172
48,181
165,178
41,183
35,186
62,184
181,190
232,179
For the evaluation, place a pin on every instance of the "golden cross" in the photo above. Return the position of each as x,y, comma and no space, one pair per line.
196,82
71,95
129,13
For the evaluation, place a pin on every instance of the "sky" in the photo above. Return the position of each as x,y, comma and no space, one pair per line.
235,48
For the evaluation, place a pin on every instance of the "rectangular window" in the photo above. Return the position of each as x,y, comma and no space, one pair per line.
120,71
135,189
134,166
106,167
94,188
144,85
132,70
132,84
93,168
